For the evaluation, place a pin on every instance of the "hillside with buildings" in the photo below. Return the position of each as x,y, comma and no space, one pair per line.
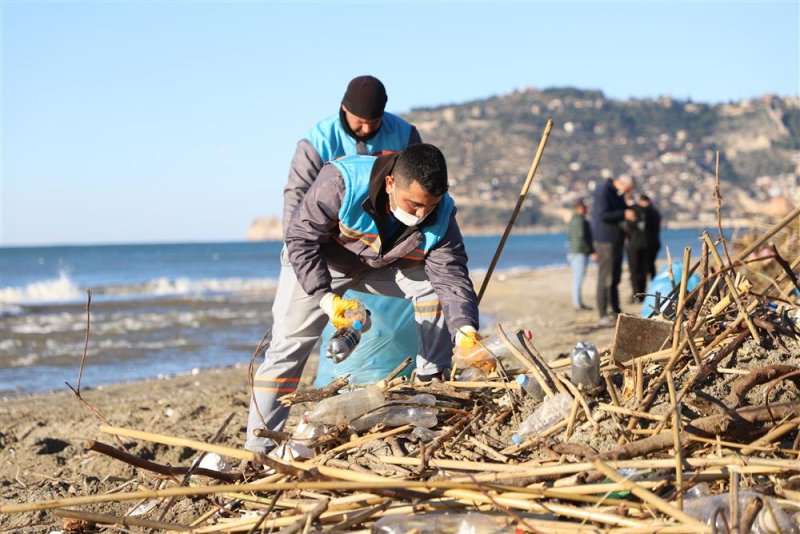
668,145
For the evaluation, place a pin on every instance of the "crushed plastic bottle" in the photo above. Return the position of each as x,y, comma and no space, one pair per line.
297,446
530,386
483,355
395,415
440,523
715,510
345,407
472,374
548,413
345,340
585,365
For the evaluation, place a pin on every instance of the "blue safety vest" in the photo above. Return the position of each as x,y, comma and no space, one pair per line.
331,141
355,223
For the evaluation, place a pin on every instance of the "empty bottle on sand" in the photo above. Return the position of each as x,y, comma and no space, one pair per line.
548,413
530,386
346,407
417,410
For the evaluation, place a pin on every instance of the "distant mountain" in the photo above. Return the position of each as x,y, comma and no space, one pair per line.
668,145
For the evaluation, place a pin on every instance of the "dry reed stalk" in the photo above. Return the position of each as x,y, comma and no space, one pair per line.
652,499
676,330
676,431
528,364
732,289
772,435
639,383
542,364
625,411
573,412
126,521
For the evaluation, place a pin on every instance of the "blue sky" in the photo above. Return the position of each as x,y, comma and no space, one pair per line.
176,121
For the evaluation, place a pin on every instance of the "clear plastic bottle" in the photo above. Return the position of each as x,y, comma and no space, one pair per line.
344,341
345,407
530,386
359,317
477,356
394,415
441,523
472,374
715,510
548,413
585,365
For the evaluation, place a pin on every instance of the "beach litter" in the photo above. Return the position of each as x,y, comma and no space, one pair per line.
700,434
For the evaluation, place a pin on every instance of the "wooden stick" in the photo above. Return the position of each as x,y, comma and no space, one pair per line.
522,194
543,365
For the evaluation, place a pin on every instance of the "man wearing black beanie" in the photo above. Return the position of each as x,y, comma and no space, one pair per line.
361,127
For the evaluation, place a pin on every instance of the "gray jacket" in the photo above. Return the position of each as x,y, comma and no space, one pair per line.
306,165
315,242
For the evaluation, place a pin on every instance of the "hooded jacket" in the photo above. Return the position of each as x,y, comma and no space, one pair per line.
342,224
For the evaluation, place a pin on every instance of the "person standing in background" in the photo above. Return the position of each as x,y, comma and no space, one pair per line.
579,251
609,211
652,231
637,254
644,241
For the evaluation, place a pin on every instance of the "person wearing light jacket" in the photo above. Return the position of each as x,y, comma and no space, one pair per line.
385,225
361,127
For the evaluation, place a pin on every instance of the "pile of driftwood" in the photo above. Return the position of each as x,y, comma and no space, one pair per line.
698,435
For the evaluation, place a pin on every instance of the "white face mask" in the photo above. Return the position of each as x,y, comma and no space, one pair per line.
409,219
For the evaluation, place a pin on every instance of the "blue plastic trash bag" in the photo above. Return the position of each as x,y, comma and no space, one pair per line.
663,285
391,339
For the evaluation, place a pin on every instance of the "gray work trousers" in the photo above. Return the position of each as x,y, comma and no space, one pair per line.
298,322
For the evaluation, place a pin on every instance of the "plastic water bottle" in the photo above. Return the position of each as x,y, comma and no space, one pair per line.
345,407
548,413
530,386
585,365
345,340
395,415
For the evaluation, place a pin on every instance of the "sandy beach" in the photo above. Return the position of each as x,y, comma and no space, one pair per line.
43,438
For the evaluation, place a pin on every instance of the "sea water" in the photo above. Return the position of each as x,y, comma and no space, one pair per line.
169,308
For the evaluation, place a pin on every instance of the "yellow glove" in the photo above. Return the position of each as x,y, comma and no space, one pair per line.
467,336
334,307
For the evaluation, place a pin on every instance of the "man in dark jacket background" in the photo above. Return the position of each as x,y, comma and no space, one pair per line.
383,225
609,212
644,241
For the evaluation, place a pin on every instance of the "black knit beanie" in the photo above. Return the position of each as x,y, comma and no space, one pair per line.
365,97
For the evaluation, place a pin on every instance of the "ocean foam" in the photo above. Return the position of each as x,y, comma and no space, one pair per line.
54,290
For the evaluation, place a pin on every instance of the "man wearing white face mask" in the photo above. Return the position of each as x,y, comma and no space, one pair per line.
382,225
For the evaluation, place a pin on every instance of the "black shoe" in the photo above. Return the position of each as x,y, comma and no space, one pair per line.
441,376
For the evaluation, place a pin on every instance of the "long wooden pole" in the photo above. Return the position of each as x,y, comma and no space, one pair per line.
522,194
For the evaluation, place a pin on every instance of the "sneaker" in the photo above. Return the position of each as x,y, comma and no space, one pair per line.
607,321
